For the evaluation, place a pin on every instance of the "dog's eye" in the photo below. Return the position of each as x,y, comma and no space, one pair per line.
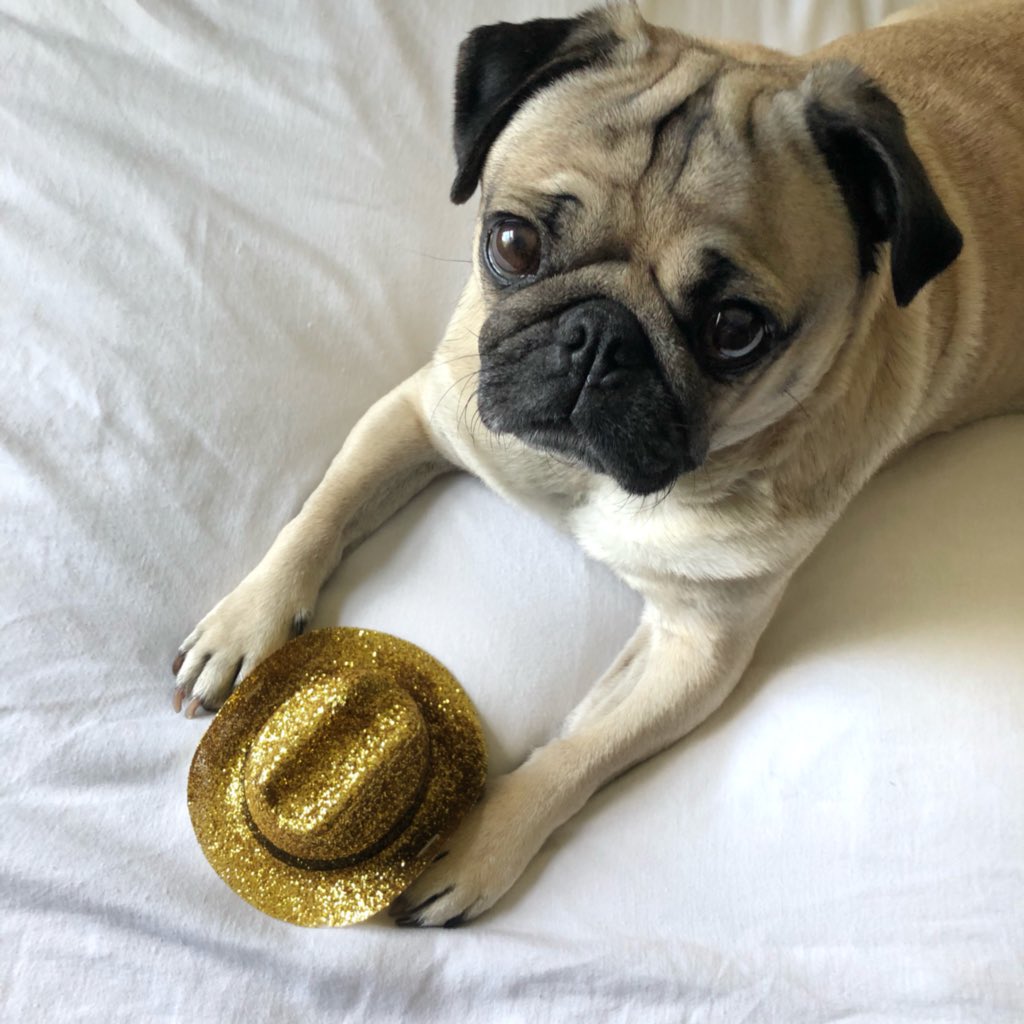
736,335
514,248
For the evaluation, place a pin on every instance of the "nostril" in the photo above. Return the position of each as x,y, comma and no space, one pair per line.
613,378
625,357
615,364
577,338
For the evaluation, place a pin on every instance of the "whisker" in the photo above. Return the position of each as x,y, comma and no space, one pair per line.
461,415
438,259
660,497
448,362
448,390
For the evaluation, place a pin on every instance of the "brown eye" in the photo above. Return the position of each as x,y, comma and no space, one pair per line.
736,335
513,248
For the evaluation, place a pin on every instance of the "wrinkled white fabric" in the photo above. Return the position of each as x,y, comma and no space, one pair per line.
223,233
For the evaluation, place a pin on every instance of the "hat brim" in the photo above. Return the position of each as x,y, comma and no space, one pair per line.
304,894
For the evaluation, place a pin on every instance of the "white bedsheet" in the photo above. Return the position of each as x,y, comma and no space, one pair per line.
224,232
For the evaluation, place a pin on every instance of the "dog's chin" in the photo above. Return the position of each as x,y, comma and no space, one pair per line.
641,466
642,479
642,474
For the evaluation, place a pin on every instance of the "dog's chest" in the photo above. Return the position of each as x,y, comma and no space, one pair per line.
658,545
648,539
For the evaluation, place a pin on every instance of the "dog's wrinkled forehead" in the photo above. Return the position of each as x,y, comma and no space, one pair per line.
808,166
611,102
660,145
598,131
644,153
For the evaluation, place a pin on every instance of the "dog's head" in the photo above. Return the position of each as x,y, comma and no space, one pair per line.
673,240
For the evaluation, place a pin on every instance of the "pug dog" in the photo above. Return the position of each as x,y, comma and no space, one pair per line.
714,289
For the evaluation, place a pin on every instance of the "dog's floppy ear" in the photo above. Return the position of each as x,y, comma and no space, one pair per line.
860,132
501,66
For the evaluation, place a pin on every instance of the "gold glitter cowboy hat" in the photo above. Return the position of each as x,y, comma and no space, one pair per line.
331,775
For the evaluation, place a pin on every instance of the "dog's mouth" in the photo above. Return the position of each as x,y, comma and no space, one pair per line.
584,384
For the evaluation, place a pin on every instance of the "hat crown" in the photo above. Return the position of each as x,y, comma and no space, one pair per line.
337,768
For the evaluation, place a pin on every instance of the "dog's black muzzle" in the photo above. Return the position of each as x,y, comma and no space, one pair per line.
585,383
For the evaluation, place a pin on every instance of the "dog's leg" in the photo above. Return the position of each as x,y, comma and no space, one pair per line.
389,456
673,673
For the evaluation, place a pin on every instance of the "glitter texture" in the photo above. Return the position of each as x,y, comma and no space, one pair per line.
327,781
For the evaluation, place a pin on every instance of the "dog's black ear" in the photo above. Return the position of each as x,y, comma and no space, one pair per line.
501,66
860,132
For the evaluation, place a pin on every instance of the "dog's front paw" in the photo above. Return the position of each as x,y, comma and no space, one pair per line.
481,861
256,618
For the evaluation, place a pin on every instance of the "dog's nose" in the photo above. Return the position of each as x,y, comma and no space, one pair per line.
599,341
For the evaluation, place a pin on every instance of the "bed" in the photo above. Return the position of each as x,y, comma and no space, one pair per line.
223,232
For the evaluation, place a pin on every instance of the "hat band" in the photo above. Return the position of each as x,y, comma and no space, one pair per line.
308,864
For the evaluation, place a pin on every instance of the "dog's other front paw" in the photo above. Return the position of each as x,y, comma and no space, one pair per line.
245,627
478,865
